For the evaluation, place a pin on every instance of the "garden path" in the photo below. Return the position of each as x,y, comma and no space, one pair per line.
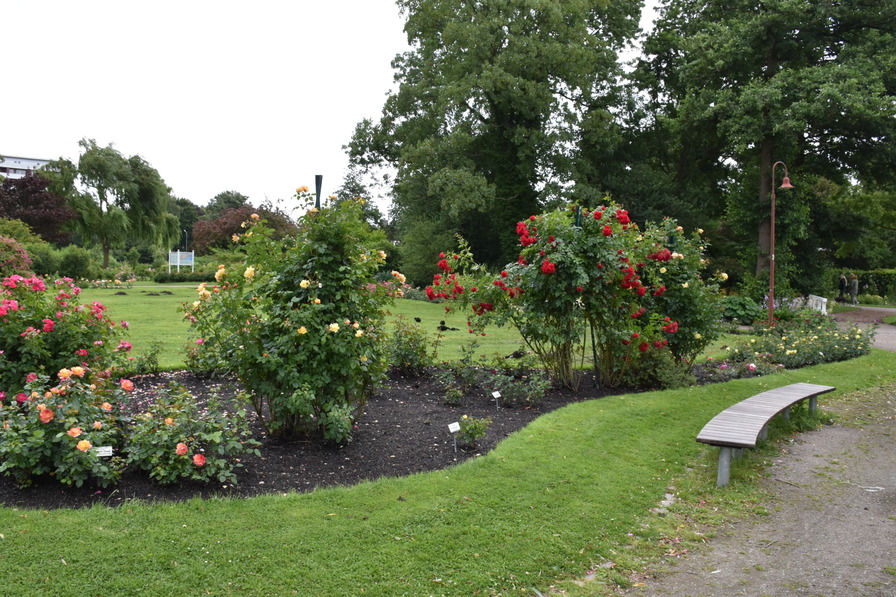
831,522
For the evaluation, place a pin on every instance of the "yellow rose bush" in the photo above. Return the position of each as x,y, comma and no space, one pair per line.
304,332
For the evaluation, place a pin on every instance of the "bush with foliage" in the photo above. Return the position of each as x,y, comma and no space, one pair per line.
471,429
54,428
741,309
176,440
45,329
301,325
592,277
809,338
79,263
220,232
408,348
14,258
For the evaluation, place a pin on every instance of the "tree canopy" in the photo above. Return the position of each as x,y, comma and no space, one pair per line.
29,200
738,85
492,101
117,198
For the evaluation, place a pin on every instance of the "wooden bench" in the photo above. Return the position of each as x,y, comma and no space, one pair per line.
743,424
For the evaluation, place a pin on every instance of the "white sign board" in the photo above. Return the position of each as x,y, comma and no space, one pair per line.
454,427
181,258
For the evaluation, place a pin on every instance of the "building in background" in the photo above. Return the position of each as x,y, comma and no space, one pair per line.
16,167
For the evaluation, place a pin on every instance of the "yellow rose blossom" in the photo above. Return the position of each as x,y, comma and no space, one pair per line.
723,276
313,210
699,230
84,445
205,295
249,273
363,358
398,276
317,301
78,371
301,189
304,284
333,327
663,270
64,373
201,287
302,330
235,238
382,254
359,333
254,216
219,275
356,325
685,285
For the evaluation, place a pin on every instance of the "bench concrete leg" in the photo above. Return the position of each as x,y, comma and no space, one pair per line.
763,433
813,403
786,413
724,466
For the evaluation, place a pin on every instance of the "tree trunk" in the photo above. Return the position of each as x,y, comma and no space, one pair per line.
105,256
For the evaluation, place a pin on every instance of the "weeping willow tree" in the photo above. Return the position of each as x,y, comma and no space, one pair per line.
117,198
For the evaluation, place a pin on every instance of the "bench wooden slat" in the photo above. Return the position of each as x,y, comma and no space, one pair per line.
741,424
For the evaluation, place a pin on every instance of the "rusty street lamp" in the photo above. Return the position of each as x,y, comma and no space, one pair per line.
785,184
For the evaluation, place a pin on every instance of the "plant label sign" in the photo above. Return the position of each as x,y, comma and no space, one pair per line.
454,427
103,451
497,397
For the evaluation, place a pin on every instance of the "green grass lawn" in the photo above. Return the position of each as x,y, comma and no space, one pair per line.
152,313
569,494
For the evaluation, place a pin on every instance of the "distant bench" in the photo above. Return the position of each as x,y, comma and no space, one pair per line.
743,424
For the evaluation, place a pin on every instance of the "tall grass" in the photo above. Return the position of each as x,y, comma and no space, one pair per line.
570,494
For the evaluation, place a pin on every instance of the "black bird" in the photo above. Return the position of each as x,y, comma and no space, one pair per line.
444,328
417,319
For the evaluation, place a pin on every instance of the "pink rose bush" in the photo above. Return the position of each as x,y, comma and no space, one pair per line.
44,327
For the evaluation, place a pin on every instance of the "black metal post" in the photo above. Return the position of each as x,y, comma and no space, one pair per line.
318,183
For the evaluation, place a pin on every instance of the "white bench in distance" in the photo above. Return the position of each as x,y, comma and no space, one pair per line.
741,425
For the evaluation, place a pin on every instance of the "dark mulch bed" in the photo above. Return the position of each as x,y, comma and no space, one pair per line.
404,430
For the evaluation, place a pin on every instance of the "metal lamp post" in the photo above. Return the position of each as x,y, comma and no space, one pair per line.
318,183
785,184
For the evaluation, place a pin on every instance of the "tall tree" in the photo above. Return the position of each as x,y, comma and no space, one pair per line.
740,84
116,198
222,202
491,101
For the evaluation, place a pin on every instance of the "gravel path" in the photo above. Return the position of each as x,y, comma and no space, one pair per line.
831,530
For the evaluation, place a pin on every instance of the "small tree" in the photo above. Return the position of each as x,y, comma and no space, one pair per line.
301,326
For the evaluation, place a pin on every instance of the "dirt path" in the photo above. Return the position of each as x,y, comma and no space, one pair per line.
832,525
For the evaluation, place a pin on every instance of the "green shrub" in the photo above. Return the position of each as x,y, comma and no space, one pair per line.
78,263
471,429
176,440
408,348
741,309
658,370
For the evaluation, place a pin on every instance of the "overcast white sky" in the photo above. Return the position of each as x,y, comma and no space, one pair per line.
255,97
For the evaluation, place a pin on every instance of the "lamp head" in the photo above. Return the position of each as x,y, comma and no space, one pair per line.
785,184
